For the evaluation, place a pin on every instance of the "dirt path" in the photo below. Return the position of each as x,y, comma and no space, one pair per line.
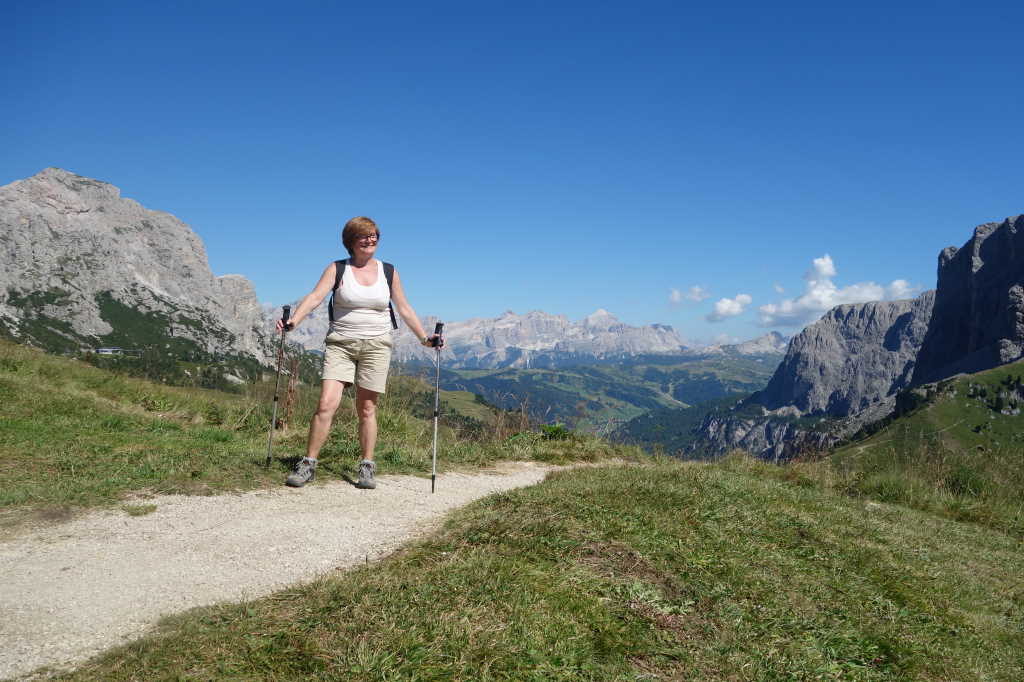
71,590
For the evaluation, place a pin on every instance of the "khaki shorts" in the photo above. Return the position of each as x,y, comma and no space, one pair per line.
364,362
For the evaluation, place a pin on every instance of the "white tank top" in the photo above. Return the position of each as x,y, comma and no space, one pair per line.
361,312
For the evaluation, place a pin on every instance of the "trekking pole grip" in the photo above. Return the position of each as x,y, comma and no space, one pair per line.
438,329
286,312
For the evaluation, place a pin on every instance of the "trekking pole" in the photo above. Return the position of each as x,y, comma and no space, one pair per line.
277,382
436,343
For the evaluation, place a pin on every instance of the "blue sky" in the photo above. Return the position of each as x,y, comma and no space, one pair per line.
556,156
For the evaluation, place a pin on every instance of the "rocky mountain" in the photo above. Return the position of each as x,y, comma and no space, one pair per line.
536,339
853,357
854,360
979,308
772,343
848,369
539,339
83,267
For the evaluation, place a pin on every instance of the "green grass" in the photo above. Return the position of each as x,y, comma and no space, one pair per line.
956,455
664,571
74,436
467,405
138,509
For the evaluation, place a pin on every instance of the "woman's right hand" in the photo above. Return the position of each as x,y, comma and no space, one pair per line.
281,325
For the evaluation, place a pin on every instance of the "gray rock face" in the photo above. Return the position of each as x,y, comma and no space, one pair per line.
311,331
979,308
767,438
850,365
853,357
66,239
777,438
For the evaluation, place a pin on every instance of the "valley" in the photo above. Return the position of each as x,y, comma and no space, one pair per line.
598,398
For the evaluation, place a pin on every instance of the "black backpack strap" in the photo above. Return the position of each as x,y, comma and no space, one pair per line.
389,275
339,270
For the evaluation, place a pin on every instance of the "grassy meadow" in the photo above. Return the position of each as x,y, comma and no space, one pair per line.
961,454
73,436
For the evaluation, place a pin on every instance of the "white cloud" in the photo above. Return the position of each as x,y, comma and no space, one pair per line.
821,268
901,288
697,294
821,294
694,293
729,307
778,288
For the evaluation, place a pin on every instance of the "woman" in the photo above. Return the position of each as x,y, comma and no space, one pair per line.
359,344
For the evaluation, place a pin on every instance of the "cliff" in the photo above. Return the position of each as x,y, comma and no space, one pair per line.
80,266
853,357
979,306
847,368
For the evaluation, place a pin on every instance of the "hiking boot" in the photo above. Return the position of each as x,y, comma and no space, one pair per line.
366,471
305,471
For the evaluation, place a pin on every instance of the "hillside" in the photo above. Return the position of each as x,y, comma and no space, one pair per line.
969,413
669,430
957,449
76,436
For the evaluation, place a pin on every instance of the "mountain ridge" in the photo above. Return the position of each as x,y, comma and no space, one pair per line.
848,369
83,265
538,339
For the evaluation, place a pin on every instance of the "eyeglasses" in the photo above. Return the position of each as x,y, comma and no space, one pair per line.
370,238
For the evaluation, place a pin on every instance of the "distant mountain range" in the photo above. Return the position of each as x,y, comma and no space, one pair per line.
540,340
591,374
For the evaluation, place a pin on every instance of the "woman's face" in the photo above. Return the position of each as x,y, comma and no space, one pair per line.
366,246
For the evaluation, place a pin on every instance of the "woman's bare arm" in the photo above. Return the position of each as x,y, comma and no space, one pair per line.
401,304
313,298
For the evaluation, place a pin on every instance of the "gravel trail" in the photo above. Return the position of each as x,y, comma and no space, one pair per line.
71,590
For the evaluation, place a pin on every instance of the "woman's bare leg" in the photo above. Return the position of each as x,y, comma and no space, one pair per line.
366,409
320,424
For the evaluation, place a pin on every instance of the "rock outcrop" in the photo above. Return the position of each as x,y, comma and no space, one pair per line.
853,357
845,370
979,307
81,264
838,374
766,437
778,437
